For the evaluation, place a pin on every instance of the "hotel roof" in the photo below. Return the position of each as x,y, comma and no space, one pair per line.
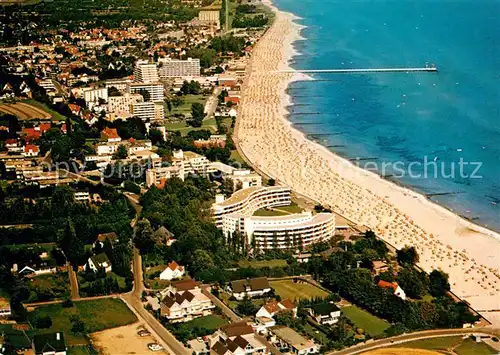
241,195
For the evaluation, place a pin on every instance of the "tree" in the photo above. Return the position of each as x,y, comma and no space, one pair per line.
201,260
42,322
198,114
407,256
414,283
144,236
438,283
246,307
71,245
78,326
121,152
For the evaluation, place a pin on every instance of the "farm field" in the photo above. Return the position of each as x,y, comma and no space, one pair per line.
96,314
362,319
294,291
24,111
55,115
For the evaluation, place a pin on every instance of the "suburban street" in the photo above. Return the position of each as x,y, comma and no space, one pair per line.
73,283
133,301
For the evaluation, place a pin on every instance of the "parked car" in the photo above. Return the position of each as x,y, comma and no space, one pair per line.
143,333
155,347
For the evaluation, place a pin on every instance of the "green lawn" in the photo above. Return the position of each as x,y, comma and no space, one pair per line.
211,322
236,157
16,338
294,291
318,335
293,208
432,344
263,212
470,347
257,264
78,350
97,315
362,319
55,115
49,287
184,128
185,108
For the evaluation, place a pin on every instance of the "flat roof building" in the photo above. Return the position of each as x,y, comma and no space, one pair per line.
174,68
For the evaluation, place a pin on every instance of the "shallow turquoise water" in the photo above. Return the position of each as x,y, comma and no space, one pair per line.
407,117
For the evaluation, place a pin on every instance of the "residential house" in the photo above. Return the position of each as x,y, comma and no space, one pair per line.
256,287
49,344
36,268
110,135
325,313
111,236
287,339
398,291
270,309
173,271
5,310
97,262
237,339
185,301
164,236
379,267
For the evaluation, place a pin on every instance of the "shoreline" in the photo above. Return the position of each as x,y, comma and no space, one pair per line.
397,214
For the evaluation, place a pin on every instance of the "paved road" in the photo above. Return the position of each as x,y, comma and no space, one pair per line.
401,339
133,301
73,283
211,104
225,309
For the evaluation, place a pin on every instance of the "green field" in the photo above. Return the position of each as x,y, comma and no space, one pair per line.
263,212
55,115
185,108
257,264
362,319
97,315
184,128
294,291
212,322
236,157
470,347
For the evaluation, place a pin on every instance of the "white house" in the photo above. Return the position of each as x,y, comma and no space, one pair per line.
173,271
270,309
398,291
325,313
185,301
99,261
255,287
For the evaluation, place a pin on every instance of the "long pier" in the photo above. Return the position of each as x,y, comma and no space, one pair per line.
368,70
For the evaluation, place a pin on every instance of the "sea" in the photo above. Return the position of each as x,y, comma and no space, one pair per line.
435,132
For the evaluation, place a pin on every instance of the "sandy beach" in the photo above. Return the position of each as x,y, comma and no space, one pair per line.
467,252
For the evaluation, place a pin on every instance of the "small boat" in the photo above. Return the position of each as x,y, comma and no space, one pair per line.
459,149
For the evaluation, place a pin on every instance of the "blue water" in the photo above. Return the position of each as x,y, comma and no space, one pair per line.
404,117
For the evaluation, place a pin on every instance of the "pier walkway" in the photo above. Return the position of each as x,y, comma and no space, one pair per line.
371,70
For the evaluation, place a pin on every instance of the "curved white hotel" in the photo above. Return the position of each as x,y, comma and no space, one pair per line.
282,232
271,232
249,200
